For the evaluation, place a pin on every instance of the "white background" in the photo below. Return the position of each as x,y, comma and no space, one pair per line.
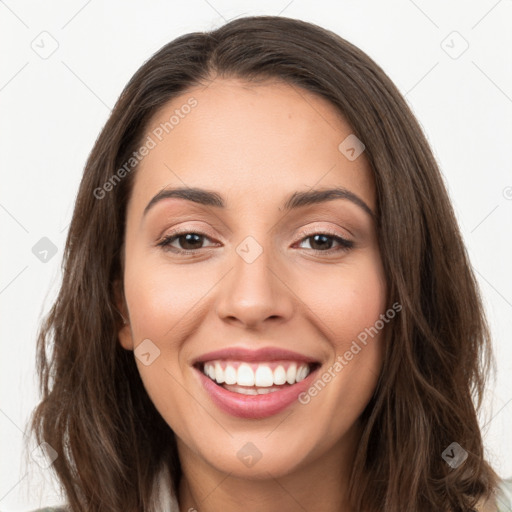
54,108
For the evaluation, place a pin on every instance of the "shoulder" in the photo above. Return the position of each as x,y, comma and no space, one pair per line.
501,500
504,496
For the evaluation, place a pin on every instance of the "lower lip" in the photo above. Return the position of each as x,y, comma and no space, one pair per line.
254,406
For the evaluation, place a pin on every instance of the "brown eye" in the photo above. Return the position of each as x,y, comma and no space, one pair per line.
323,242
188,242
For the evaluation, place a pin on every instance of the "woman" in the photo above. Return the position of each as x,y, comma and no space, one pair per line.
266,301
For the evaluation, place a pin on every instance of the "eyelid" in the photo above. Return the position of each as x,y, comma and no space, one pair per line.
186,227
180,232
323,230
345,243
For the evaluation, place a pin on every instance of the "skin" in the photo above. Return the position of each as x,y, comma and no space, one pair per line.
255,145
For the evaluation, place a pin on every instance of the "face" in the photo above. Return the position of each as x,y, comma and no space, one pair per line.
252,283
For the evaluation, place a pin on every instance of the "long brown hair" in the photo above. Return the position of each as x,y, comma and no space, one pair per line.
95,412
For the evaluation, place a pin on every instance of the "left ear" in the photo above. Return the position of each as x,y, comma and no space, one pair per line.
124,333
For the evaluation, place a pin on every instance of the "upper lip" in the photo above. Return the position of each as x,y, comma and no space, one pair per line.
261,355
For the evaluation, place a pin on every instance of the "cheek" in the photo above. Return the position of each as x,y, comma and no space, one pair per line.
163,301
350,309
163,298
347,300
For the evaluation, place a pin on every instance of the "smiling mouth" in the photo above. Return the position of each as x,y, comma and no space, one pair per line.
250,378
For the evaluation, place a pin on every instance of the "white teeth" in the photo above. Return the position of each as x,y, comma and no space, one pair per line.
251,391
291,373
301,374
230,375
245,375
219,373
265,391
264,377
261,377
243,390
279,375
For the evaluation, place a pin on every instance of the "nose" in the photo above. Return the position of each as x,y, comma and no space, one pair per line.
254,293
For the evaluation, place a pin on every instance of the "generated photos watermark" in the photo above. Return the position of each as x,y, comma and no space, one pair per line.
343,360
156,136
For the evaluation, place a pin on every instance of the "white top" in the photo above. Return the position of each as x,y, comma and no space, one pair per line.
169,503
503,498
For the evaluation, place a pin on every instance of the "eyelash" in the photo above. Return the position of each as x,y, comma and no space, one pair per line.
165,243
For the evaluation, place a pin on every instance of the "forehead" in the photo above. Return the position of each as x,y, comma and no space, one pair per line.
249,140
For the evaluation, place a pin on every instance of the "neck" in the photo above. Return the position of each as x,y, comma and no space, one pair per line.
319,484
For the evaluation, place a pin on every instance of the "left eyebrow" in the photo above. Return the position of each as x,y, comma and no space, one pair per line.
300,199
294,201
